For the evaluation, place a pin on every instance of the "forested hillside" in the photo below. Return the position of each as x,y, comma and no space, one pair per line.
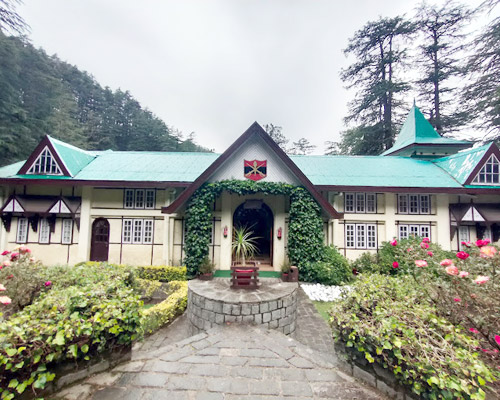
40,94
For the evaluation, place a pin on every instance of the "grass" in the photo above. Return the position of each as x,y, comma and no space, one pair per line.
323,307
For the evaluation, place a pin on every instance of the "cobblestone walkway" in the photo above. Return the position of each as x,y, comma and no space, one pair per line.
234,362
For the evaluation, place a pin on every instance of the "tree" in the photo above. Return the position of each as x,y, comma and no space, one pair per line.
361,140
438,57
379,49
302,147
482,95
10,20
276,134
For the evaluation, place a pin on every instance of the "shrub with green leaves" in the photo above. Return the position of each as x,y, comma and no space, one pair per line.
390,321
333,269
162,273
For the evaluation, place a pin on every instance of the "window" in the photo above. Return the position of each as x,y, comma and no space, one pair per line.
489,173
139,198
407,230
44,231
22,230
67,230
361,236
360,203
137,231
463,235
414,204
45,164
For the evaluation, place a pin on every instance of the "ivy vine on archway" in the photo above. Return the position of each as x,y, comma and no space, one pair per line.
305,233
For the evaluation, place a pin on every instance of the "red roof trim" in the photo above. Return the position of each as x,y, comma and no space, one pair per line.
254,129
493,149
45,142
401,189
74,182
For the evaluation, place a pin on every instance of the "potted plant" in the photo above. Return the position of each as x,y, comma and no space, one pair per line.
285,271
206,270
243,244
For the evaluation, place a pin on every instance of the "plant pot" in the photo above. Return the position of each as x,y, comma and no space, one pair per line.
284,276
206,277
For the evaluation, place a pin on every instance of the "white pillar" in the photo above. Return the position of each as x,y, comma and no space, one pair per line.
226,220
279,222
85,225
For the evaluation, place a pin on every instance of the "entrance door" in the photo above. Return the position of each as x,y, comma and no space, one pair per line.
258,218
99,247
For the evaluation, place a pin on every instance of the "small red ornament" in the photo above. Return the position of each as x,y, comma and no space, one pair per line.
280,233
255,170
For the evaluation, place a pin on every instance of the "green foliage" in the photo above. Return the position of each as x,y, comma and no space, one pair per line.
243,245
333,269
86,311
366,263
391,322
162,273
207,266
160,314
305,237
148,287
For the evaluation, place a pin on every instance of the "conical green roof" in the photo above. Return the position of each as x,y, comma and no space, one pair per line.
417,131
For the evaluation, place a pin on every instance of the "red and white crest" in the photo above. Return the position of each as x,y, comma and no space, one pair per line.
255,170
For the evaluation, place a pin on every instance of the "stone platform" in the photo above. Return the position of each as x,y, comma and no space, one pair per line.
273,305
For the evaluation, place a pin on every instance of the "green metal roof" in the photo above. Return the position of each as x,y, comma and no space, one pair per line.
417,130
74,159
460,165
375,171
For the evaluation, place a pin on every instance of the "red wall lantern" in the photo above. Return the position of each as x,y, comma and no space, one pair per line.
225,231
280,233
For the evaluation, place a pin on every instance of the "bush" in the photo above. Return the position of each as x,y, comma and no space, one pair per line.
148,287
68,322
391,322
162,313
366,263
333,269
162,273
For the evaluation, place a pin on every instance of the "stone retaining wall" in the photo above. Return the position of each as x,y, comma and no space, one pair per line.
211,303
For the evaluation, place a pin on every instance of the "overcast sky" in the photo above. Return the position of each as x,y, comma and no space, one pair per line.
214,67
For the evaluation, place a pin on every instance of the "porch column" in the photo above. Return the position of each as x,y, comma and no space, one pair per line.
84,235
226,220
279,222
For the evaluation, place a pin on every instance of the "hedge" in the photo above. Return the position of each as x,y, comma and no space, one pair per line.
162,313
162,273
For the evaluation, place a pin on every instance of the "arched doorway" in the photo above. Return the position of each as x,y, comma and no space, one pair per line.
99,246
258,217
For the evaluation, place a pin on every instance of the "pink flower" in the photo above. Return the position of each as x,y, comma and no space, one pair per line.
466,244
462,255
421,263
497,339
424,245
486,241
473,330
5,300
395,264
480,243
10,276
32,259
451,270
14,256
426,240
394,242
446,262
6,263
481,279
5,252
457,299
2,288
430,253
48,283
463,274
487,251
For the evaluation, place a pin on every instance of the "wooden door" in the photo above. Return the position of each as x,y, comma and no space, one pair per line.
99,247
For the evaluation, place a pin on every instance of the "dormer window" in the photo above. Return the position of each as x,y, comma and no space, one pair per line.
489,173
45,164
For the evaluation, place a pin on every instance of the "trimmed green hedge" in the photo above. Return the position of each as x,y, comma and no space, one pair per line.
162,313
391,322
87,310
162,273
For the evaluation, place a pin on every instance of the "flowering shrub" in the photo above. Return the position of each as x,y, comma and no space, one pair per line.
391,322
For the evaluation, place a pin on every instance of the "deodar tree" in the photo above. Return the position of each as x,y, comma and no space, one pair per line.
379,50
439,61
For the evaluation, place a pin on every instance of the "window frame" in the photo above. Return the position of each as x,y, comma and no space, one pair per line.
357,202
70,233
137,199
408,227
353,239
43,227
20,239
495,164
39,166
405,201
130,226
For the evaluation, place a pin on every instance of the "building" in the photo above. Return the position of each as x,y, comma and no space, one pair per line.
71,205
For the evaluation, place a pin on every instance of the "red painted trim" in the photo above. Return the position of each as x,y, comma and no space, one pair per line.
402,189
464,145
493,149
254,129
94,183
45,142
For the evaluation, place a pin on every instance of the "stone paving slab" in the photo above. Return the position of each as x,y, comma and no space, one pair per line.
231,362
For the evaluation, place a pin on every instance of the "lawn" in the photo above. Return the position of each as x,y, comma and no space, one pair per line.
323,307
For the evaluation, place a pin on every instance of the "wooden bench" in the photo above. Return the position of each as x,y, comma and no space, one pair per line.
246,277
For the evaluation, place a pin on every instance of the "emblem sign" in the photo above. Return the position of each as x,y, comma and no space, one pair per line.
255,170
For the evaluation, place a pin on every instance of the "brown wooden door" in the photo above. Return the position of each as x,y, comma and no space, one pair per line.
99,247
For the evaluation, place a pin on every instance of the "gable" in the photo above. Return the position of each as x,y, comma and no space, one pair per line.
13,206
254,149
45,164
486,172
60,208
